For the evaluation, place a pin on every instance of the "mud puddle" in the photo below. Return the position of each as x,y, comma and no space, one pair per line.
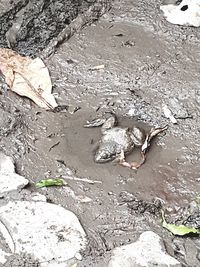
65,140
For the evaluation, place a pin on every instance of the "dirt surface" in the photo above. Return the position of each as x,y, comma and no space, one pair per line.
29,26
148,62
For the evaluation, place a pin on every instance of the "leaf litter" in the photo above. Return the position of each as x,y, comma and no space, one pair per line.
50,182
197,199
27,77
179,230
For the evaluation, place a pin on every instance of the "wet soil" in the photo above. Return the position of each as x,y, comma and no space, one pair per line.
29,26
148,62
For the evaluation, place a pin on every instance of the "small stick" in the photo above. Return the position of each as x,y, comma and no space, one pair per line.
98,67
85,180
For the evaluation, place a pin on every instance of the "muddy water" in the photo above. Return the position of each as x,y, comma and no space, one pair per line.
161,176
64,147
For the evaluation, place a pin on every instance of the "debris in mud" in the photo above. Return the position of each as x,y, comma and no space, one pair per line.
54,145
83,199
50,182
27,77
179,230
118,141
119,35
186,12
143,253
98,67
140,206
128,43
84,180
188,216
197,199
62,108
9,180
168,114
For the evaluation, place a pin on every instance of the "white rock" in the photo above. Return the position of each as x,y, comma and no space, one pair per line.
46,231
38,197
3,256
186,13
9,180
147,251
131,112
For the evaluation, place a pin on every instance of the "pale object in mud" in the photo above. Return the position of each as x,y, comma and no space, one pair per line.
168,114
98,67
9,179
27,77
186,13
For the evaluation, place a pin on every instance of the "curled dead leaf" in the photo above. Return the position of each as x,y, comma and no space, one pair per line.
27,77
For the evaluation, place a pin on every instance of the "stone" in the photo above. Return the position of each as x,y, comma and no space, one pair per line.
9,180
186,12
3,256
147,251
191,253
49,233
38,197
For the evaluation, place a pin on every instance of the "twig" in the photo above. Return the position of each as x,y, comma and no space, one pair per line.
85,180
56,144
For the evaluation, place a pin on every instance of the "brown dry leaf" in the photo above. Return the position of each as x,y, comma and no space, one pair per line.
27,77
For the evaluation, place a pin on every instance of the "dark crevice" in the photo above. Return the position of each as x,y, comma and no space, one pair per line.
184,8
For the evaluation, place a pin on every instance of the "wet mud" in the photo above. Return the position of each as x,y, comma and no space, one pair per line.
147,63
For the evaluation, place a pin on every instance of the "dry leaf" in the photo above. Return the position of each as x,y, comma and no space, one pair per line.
27,77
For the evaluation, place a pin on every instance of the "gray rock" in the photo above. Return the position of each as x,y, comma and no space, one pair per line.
147,251
191,253
9,180
45,231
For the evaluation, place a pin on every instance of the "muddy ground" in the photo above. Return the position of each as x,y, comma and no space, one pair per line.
148,62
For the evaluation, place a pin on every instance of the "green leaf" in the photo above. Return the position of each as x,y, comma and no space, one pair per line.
197,199
50,182
180,230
